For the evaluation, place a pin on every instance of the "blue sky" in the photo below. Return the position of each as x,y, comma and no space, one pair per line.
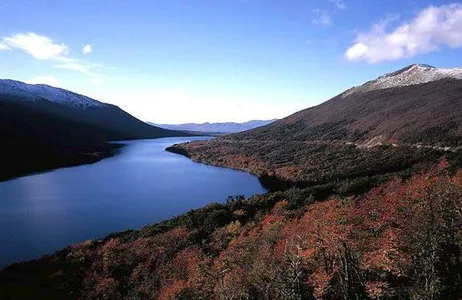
177,61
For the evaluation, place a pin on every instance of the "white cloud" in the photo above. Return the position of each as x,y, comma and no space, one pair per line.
356,51
49,80
87,49
39,46
339,4
4,47
322,17
44,48
432,28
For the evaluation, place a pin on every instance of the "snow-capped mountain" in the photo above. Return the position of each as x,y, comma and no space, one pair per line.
34,92
46,102
418,104
410,75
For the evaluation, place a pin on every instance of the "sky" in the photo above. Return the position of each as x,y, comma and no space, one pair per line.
178,61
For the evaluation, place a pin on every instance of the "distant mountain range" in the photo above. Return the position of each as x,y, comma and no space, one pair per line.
43,127
226,127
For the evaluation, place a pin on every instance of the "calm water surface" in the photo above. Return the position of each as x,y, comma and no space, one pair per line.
144,184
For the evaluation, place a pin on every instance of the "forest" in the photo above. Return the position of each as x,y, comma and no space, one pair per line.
283,164
400,240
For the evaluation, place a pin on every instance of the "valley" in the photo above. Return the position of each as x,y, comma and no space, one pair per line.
364,202
230,150
140,185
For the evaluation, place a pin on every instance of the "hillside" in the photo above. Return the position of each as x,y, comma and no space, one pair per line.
401,240
42,127
226,127
406,106
401,122
374,213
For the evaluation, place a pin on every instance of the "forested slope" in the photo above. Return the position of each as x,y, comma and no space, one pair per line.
401,240
365,203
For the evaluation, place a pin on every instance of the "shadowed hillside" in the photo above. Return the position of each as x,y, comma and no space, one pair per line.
42,128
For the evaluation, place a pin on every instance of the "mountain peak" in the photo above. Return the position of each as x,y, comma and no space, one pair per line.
410,75
410,68
423,66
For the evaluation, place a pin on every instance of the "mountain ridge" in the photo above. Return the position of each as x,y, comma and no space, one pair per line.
410,75
427,113
50,93
217,127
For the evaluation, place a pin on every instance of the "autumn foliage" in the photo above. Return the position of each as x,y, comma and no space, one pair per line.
401,240
307,163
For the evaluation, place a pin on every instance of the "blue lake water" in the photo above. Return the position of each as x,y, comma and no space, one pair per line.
143,184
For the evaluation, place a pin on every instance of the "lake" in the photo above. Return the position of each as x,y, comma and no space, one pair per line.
144,184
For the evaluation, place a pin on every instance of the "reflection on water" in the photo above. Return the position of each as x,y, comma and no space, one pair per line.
144,184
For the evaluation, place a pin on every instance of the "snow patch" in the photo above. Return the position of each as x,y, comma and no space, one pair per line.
411,75
33,92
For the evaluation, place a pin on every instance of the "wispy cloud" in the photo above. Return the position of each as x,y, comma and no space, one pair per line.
49,80
432,28
72,64
339,4
87,49
322,17
44,48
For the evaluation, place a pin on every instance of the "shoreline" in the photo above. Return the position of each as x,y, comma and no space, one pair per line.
116,147
92,155
270,182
